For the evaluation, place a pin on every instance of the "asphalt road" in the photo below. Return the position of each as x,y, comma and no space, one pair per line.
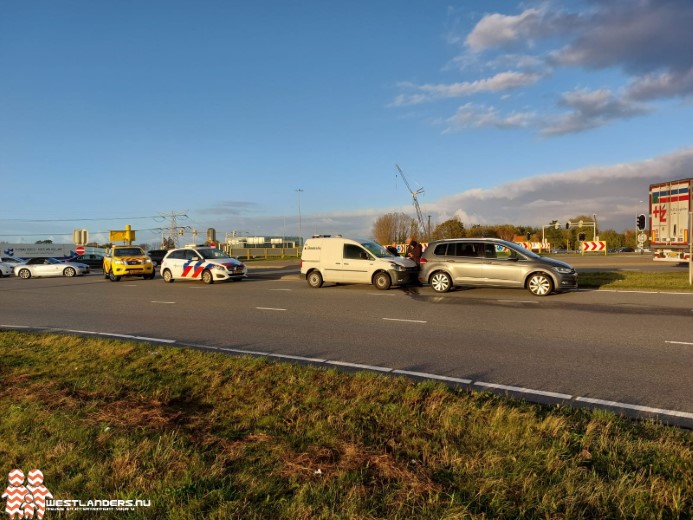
629,351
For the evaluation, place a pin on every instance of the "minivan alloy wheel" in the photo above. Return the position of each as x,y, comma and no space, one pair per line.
540,285
441,282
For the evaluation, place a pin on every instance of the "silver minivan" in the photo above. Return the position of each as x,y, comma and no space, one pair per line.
494,263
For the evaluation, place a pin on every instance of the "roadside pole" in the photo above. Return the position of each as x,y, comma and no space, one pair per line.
690,248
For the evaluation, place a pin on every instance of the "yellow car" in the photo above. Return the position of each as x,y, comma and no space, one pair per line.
127,261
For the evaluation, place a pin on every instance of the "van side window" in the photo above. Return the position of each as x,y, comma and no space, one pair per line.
353,252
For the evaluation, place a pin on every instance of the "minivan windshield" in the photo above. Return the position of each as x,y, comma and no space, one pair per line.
376,250
521,250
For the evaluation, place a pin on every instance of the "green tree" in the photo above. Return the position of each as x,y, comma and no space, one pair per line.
451,228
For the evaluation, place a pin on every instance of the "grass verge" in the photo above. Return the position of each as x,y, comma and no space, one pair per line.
209,436
636,280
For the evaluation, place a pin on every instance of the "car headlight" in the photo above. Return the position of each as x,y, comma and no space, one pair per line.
119,262
220,267
398,267
564,270
148,261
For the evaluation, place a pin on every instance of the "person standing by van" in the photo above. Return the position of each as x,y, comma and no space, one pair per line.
393,249
414,250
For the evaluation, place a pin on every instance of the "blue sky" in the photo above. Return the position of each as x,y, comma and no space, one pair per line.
503,111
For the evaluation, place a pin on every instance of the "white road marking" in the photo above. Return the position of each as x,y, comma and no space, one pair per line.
517,301
433,376
298,358
637,292
358,365
679,342
522,390
159,301
380,294
530,391
280,290
269,309
648,409
406,321
129,285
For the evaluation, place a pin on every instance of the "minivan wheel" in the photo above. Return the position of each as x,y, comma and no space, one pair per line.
540,285
382,281
315,279
441,282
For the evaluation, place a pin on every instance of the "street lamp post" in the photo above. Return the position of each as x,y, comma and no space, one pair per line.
300,227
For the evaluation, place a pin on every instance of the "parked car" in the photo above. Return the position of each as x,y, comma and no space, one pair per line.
157,255
5,270
11,260
127,261
205,263
488,262
625,250
345,260
94,261
43,267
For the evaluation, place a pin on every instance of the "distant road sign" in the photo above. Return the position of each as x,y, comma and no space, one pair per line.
80,250
642,237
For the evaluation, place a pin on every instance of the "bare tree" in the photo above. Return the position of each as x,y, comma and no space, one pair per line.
394,227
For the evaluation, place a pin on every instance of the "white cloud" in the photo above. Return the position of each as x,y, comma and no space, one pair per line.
590,109
470,115
499,82
498,29
613,192
649,41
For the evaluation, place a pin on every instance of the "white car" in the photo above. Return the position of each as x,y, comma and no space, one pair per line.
42,267
5,270
208,264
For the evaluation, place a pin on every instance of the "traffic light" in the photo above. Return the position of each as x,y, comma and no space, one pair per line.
581,237
567,225
640,222
529,236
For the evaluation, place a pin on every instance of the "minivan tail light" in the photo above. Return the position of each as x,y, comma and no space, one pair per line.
423,261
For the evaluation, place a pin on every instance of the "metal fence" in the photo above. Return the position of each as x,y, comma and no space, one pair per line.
262,252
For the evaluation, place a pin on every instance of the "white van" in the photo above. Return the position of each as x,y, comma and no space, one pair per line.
345,260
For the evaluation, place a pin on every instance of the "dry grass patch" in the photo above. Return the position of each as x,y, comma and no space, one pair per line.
211,436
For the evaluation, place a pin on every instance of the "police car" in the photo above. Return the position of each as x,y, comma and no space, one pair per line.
208,264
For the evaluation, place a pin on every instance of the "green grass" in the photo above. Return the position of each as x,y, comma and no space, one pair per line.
636,280
209,436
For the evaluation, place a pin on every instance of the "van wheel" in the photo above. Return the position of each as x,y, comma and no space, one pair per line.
382,281
540,284
441,282
207,277
315,279
168,277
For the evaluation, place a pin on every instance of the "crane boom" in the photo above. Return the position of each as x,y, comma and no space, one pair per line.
415,199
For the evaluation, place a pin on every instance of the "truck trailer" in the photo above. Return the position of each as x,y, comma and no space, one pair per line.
670,220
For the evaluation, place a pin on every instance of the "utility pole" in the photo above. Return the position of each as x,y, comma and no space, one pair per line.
173,227
300,227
